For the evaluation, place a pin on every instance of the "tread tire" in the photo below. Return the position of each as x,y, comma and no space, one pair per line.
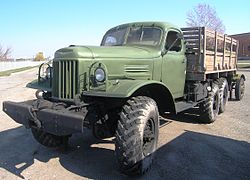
129,146
238,91
47,139
224,93
210,108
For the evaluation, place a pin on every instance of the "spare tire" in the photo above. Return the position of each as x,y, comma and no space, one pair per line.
47,139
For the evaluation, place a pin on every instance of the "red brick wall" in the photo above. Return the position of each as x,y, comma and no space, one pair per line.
244,44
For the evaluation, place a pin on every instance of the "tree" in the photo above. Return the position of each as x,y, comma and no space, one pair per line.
204,15
5,54
39,56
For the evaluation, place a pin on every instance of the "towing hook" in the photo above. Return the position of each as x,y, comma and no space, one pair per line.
32,112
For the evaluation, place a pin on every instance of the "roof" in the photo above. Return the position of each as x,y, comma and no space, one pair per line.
242,34
164,25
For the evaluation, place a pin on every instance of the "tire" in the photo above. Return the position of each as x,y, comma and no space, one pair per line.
47,139
137,135
210,107
239,89
223,90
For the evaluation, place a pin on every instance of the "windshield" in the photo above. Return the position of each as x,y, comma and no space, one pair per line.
136,35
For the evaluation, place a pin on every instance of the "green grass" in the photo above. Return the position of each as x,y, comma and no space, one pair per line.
8,72
243,63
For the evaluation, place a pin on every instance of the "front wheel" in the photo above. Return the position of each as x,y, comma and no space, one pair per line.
137,135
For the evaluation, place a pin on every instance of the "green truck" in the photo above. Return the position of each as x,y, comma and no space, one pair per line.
140,72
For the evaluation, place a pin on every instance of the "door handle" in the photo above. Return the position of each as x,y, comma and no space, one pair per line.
184,60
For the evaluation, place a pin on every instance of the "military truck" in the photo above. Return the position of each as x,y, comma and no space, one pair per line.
139,72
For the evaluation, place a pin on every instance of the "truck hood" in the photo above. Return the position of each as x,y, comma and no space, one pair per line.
96,52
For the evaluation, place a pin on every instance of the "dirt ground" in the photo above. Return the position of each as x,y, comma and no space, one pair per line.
187,150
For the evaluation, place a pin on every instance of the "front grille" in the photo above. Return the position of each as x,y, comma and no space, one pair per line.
65,79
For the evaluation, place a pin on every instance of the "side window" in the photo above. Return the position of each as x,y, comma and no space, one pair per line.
173,41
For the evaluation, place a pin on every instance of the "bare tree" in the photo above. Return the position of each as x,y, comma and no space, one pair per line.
204,15
4,54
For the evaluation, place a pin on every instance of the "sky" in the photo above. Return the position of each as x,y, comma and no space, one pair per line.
32,26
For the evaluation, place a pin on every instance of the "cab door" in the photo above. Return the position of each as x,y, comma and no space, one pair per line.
174,63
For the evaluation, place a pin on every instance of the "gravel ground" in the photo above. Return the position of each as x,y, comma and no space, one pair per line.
187,150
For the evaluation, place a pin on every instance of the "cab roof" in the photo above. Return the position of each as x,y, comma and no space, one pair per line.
163,25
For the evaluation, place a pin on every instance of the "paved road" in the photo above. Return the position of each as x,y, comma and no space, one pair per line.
187,150
8,65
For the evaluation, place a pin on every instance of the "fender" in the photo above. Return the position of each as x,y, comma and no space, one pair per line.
45,86
124,88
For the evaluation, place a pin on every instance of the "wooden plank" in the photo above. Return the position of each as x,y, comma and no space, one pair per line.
231,49
227,70
224,51
236,53
202,61
190,28
208,31
188,33
215,52
219,62
208,52
187,38
220,54
192,46
193,41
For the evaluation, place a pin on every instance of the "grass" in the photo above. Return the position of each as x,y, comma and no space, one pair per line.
9,72
244,61
243,64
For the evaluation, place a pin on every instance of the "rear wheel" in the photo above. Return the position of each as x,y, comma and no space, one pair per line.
239,89
47,139
137,135
210,107
223,85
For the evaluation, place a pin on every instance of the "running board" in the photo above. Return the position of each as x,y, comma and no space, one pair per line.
183,105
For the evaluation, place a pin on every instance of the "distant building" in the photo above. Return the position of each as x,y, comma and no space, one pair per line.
244,45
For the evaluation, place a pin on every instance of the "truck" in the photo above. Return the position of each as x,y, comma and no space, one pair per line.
140,72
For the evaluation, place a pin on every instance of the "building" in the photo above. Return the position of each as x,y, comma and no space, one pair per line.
244,45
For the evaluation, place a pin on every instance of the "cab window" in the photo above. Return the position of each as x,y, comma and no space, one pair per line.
173,42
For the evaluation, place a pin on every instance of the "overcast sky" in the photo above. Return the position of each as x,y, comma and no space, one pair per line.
30,26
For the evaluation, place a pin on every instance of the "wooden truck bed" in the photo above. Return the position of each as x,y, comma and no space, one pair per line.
208,52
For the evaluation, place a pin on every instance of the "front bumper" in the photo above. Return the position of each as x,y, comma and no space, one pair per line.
57,122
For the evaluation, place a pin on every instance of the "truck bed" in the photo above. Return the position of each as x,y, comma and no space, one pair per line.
208,52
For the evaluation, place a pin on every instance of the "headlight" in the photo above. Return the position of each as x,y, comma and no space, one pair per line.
100,75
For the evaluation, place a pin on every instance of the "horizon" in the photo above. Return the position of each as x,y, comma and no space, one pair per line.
45,26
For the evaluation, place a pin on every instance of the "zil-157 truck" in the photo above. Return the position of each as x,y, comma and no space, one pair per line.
121,88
